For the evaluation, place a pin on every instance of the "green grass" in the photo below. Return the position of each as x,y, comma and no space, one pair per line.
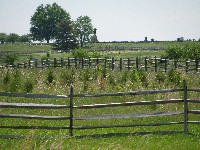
115,81
177,141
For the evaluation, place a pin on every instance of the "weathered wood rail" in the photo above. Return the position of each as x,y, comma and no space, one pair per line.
72,118
146,64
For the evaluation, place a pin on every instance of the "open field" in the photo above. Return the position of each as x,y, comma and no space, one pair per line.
97,80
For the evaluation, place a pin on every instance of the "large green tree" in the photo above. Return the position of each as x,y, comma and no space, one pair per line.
12,38
66,37
45,20
3,37
84,28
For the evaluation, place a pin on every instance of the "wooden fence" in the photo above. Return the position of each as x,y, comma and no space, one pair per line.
72,118
146,64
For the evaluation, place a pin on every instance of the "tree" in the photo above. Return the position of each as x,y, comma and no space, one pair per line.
3,37
12,38
44,21
84,28
25,38
66,37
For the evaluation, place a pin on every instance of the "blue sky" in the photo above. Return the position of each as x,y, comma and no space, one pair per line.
115,20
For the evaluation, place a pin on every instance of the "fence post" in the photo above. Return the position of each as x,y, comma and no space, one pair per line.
175,63
156,69
89,62
82,61
166,65
29,63
71,110
113,63
62,62
145,63
105,62
120,64
76,66
68,62
186,65
137,63
185,107
54,62
197,64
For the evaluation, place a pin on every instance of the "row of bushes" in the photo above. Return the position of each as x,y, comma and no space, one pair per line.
99,79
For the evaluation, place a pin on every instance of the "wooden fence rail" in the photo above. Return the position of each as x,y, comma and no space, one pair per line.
146,64
72,118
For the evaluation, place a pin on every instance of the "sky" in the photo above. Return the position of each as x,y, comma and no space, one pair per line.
115,20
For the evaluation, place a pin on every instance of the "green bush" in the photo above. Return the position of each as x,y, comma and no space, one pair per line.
80,53
15,84
188,50
50,76
7,78
28,86
160,77
174,77
68,76
9,59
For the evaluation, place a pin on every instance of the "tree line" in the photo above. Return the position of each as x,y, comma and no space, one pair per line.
13,37
53,23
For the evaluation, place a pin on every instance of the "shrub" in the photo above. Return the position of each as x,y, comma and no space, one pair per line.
7,78
15,84
50,76
68,76
143,77
134,76
160,77
174,77
28,86
80,53
124,77
9,59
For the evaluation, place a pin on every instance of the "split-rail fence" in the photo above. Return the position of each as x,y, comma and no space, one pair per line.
138,63
72,118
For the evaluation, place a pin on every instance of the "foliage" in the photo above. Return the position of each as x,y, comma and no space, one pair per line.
50,76
66,38
84,28
80,53
44,21
68,76
174,77
25,38
143,77
160,77
188,50
28,86
16,81
12,38
9,59
7,78
3,37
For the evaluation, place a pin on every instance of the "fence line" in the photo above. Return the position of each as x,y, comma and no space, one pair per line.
71,118
138,63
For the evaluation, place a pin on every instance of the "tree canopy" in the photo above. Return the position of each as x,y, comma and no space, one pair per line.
84,28
45,20
66,37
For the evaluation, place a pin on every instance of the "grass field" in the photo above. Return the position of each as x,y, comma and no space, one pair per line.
90,81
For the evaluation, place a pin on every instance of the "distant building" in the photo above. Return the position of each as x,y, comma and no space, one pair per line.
152,40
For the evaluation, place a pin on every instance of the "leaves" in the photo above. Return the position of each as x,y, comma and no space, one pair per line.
45,20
